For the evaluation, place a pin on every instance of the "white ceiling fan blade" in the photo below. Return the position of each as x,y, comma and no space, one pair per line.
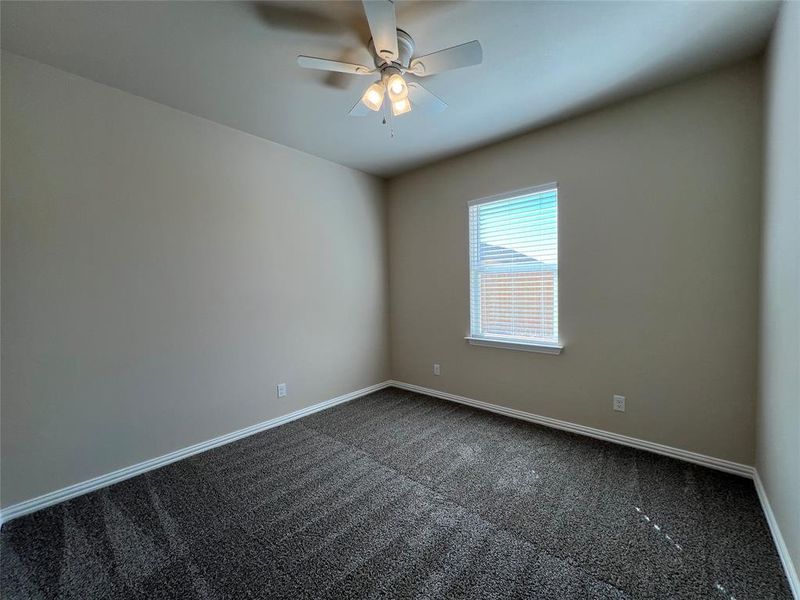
323,64
359,110
423,100
456,57
383,27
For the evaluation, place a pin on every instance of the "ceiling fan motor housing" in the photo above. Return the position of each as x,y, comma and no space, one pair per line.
405,48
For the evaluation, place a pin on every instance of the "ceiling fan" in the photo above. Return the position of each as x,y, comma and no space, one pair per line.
393,52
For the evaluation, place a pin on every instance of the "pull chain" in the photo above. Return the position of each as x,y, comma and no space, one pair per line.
388,122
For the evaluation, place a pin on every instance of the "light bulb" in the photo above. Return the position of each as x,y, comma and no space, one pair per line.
401,107
397,87
373,97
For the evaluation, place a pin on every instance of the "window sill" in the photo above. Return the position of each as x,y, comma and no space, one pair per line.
509,345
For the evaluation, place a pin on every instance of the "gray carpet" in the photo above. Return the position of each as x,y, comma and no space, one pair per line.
398,495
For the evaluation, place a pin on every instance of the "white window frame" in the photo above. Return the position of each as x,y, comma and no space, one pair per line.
545,347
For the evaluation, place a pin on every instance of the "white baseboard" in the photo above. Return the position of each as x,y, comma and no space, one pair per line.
693,457
780,544
84,487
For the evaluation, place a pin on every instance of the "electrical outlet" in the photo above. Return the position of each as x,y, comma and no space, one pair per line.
619,403
436,369
281,390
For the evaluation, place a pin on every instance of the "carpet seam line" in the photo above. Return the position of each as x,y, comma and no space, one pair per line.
511,534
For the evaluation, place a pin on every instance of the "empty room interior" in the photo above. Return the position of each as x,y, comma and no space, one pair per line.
400,299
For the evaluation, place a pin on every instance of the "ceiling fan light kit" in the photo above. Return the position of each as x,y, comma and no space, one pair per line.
373,97
398,90
393,52
401,107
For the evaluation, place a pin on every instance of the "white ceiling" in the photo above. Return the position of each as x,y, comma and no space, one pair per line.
234,63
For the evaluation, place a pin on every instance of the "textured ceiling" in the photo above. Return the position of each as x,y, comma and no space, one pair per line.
234,63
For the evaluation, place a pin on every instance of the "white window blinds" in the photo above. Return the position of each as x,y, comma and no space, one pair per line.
513,257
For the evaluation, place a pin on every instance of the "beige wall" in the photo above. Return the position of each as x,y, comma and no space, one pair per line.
659,231
778,450
162,273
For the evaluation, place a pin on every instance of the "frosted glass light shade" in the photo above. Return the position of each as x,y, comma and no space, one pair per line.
397,87
373,97
401,107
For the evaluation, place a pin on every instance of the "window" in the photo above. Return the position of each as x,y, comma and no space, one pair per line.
513,268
